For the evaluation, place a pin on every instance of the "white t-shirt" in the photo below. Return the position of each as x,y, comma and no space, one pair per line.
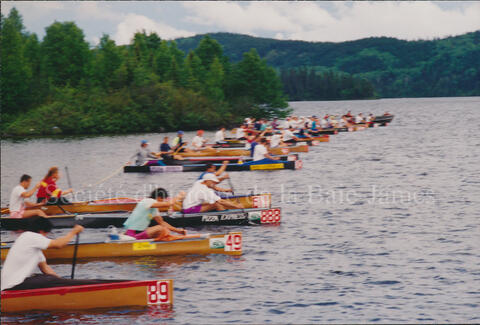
259,152
17,201
323,123
23,258
197,142
287,135
358,119
240,133
199,194
219,136
275,140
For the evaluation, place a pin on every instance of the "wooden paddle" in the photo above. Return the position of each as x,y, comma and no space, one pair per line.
178,149
74,261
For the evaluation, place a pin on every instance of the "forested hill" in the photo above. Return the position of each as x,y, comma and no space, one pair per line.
397,68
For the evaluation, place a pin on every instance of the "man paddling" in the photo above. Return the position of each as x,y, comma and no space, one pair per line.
18,204
143,154
220,136
260,153
178,144
138,223
202,198
25,258
198,142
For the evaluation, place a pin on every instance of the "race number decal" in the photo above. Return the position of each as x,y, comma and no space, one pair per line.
261,201
158,293
270,216
298,164
233,242
315,143
285,151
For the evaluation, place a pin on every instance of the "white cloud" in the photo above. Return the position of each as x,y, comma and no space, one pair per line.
133,23
350,20
97,10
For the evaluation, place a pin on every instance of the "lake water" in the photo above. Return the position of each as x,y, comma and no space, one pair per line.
380,225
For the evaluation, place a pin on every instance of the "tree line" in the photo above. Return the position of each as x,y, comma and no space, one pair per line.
309,84
61,85
396,68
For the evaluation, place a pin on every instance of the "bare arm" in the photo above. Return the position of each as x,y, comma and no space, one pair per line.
162,222
220,189
64,240
31,192
46,269
222,168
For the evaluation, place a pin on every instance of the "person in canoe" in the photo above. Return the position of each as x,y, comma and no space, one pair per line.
240,134
202,198
143,154
25,257
198,142
178,143
137,224
167,153
220,136
260,153
210,168
18,204
289,137
276,139
48,192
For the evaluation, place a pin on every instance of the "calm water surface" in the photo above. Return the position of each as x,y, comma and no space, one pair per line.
380,225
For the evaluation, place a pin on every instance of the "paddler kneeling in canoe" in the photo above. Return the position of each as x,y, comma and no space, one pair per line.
202,198
26,256
137,224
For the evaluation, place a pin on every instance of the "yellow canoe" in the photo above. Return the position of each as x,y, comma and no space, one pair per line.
128,204
228,244
242,152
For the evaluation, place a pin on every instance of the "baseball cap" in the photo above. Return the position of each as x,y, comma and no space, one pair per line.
179,132
210,177
144,142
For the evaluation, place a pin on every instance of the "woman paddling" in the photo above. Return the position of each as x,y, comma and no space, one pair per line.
49,191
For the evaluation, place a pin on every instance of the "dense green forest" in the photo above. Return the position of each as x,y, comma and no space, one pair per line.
308,84
396,68
61,85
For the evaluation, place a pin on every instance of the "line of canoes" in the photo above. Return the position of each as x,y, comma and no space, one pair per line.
112,212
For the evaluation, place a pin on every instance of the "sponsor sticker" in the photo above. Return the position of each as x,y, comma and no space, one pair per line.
266,166
165,169
142,246
209,218
217,243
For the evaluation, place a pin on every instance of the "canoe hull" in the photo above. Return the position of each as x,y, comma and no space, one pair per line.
248,201
240,152
212,244
230,217
107,295
202,167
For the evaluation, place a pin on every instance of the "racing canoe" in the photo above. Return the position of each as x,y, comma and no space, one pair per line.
104,295
202,167
249,216
241,152
228,244
119,205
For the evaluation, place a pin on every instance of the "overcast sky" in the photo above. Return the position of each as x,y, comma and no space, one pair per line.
310,21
